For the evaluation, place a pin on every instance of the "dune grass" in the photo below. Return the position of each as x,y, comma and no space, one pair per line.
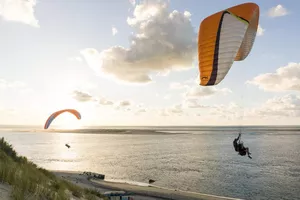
29,181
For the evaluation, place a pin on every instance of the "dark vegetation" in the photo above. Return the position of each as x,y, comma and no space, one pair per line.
28,181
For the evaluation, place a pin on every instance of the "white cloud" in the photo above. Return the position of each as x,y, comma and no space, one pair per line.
194,103
260,31
231,109
13,84
141,110
171,111
132,2
19,11
193,89
163,41
285,78
105,102
199,91
187,14
277,11
76,58
114,30
124,103
286,106
177,109
82,96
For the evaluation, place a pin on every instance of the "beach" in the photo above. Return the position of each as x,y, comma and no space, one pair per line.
138,192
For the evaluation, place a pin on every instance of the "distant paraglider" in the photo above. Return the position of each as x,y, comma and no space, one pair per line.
54,115
225,37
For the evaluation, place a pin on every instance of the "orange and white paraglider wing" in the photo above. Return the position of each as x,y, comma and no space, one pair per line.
55,114
224,37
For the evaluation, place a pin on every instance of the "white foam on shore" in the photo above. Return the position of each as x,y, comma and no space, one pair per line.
128,182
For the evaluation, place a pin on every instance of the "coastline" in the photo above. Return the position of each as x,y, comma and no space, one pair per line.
139,192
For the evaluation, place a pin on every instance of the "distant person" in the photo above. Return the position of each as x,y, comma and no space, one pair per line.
151,181
239,147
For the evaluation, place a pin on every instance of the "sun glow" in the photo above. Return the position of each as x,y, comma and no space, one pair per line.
67,121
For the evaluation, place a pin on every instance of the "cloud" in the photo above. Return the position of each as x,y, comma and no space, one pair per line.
82,96
208,91
19,11
284,79
141,110
75,59
176,109
132,2
193,89
277,11
164,40
230,109
286,106
194,103
114,30
172,111
105,102
260,31
124,103
13,84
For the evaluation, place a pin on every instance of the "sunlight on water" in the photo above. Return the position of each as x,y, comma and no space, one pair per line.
200,161
66,157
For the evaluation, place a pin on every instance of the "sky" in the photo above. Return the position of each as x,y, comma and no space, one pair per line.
126,62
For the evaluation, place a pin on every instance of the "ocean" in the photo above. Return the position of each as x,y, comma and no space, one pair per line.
198,159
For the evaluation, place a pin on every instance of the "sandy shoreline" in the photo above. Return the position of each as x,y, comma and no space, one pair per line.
139,192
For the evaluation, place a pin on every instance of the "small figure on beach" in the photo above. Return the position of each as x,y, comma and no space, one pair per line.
151,181
239,147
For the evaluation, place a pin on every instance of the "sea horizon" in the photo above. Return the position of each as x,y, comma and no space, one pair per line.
149,130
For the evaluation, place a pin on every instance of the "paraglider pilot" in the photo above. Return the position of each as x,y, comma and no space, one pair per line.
239,147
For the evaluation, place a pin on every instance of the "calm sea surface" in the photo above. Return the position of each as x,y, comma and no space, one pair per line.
199,159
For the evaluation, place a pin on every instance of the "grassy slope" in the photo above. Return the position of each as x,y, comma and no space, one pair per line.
31,182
